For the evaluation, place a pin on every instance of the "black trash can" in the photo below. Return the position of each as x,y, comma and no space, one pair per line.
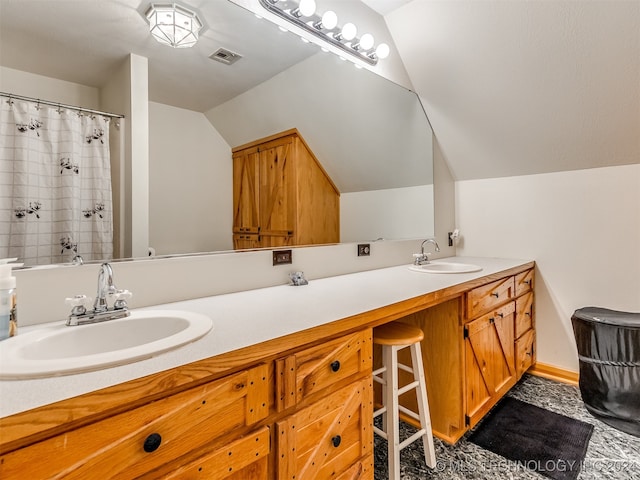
609,352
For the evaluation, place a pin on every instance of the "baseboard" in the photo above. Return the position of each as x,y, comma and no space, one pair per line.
554,373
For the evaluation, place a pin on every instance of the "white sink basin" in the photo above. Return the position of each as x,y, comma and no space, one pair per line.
445,267
63,350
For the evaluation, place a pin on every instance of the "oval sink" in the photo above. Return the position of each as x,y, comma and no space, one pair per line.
446,267
63,350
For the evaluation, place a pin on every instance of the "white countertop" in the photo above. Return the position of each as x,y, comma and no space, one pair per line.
247,318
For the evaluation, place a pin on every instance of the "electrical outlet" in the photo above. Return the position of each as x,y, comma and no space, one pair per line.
364,249
281,257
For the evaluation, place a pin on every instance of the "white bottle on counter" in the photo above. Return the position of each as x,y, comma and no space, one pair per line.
8,302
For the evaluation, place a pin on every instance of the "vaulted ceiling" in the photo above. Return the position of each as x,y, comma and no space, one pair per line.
510,87
515,88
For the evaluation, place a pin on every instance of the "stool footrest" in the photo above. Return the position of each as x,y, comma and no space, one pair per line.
382,433
412,438
379,371
379,412
408,387
408,412
402,366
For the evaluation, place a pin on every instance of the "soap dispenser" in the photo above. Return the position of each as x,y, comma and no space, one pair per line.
8,302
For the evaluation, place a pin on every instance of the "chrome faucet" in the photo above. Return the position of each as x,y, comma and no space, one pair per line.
105,287
101,311
422,258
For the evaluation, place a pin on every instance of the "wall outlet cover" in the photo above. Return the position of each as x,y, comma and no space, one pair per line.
282,257
364,249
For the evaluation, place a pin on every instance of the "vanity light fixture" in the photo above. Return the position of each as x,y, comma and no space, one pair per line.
324,27
174,25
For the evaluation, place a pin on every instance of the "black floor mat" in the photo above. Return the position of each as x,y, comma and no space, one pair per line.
550,444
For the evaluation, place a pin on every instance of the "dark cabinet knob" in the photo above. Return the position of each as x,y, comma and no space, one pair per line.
152,442
335,366
336,441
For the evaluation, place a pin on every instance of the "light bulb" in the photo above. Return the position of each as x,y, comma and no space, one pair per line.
349,31
382,51
307,7
366,41
329,20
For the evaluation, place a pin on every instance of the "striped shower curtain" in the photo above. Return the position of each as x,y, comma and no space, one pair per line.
55,184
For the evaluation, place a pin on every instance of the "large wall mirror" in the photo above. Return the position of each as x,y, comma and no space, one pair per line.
370,135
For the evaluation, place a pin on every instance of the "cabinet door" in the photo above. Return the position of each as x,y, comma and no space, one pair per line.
133,443
489,358
277,187
246,199
329,437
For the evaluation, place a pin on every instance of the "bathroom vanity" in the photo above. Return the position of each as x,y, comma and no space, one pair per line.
281,387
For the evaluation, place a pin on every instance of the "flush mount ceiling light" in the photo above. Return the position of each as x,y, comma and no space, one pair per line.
325,27
173,25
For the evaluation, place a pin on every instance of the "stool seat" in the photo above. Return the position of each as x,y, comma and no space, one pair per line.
397,333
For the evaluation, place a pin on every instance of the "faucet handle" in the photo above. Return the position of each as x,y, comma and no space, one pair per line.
120,297
79,304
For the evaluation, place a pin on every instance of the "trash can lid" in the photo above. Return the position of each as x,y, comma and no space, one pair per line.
609,317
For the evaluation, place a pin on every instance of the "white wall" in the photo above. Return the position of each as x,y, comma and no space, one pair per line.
581,227
47,88
42,291
190,183
399,213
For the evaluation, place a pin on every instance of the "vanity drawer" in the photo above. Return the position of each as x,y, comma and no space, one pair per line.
132,443
524,313
525,352
244,458
489,296
329,437
524,282
313,369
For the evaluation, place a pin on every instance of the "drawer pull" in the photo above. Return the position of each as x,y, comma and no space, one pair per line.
335,366
152,442
528,282
336,441
495,294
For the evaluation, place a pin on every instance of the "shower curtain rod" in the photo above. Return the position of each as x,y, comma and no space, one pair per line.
60,105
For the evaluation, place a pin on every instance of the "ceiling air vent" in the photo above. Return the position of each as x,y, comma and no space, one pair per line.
225,56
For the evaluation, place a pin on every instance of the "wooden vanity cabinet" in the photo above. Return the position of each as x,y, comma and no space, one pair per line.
281,195
476,346
329,436
241,426
326,394
181,431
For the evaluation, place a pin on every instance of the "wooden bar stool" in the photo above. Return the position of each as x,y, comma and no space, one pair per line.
394,337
